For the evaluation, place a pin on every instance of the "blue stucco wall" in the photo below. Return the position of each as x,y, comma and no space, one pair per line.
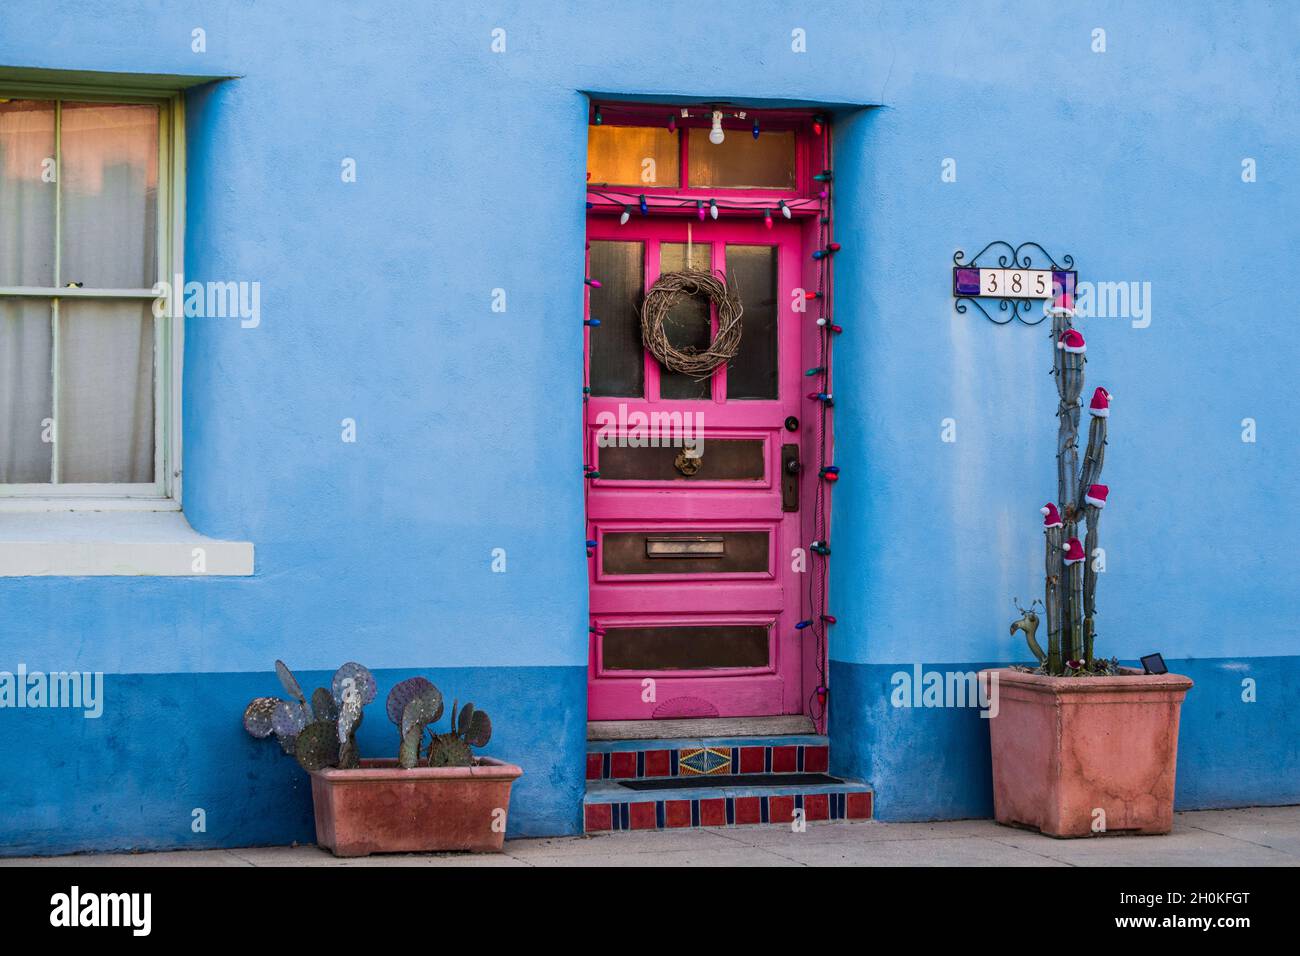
376,306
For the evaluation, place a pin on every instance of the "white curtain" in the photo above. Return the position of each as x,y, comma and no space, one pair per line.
105,428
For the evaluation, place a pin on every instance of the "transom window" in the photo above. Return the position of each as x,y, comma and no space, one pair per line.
622,150
87,230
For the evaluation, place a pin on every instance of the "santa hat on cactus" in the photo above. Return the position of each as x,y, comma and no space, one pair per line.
1051,517
1072,341
1073,552
1096,495
1100,403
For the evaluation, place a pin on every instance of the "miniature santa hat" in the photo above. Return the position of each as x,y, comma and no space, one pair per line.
1100,403
1073,552
1096,495
1051,517
1072,341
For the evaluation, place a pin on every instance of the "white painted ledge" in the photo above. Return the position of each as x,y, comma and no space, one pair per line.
99,543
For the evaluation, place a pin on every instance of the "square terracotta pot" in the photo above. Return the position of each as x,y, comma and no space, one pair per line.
381,808
1068,750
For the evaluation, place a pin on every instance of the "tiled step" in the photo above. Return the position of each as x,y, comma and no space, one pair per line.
673,757
611,806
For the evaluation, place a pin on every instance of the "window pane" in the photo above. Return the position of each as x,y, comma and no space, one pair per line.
752,373
742,162
688,322
26,391
27,193
632,155
698,647
617,365
105,391
110,195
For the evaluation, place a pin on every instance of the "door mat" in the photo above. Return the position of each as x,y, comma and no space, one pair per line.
716,781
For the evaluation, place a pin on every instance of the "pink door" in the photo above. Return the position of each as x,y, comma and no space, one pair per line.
694,596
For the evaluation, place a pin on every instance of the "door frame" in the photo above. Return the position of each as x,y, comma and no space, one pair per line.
809,209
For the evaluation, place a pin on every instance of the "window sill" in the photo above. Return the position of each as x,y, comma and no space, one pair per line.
107,543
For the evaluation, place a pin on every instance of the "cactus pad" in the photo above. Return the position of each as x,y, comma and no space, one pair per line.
289,682
257,716
289,718
355,675
406,691
318,746
479,731
323,706
415,718
349,721
448,750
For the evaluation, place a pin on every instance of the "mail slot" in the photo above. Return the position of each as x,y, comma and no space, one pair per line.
712,547
685,552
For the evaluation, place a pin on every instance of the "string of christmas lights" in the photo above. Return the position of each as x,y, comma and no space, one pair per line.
704,209
819,620
827,472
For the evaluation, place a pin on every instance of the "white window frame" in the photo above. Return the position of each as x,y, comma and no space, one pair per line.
164,492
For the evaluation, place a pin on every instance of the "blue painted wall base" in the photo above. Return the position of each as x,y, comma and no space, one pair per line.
168,744
933,763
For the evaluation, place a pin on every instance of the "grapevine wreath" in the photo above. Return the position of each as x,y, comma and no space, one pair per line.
663,295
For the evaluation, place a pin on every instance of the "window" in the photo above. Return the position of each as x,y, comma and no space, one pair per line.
623,151
89,371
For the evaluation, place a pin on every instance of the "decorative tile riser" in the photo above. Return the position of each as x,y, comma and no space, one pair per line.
725,811
704,761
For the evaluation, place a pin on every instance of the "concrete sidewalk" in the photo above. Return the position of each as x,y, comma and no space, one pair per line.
1257,836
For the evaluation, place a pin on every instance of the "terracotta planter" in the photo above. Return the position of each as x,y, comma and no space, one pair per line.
1065,747
381,808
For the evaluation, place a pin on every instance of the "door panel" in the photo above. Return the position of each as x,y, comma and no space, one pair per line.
693,599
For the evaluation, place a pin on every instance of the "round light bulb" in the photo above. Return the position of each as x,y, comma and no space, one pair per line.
716,135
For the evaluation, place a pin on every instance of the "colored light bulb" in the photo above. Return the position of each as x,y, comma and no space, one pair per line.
756,128
594,323
599,118
767,219
645,209
817,125
802,624
811,295
672,123
699,209
823,177
829,618
594,283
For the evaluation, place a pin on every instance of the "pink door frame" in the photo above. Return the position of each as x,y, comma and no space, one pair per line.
780,596
777,596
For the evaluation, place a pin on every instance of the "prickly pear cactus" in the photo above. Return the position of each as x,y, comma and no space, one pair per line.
349,721
355,675
406,691
318,746
479,731
257,716
449,750
289,682
416,716
323,706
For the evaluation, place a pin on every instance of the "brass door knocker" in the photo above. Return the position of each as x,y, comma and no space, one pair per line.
687,463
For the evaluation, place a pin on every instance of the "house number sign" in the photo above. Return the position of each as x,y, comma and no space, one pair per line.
1010,283
1017,277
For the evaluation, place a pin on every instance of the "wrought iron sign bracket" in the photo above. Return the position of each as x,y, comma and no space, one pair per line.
1018,281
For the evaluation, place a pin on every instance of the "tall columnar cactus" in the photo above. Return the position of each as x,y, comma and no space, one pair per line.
1070,579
